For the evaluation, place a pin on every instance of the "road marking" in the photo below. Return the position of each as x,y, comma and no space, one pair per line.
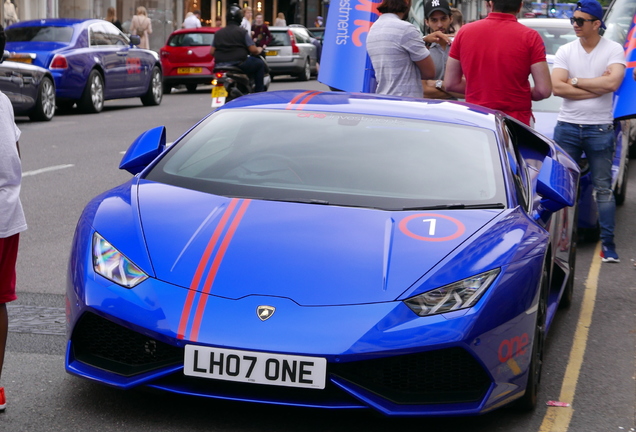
47,169
558,419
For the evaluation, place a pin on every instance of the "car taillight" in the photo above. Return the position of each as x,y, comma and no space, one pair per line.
164,53
59,62
295,49
219,74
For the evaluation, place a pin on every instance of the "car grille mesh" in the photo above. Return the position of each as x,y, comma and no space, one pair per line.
102,343
450,375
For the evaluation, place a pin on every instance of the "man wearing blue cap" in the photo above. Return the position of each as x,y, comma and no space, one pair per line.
586,73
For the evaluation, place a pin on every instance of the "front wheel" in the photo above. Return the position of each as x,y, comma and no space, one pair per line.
154,94
92,100
45,105
529,400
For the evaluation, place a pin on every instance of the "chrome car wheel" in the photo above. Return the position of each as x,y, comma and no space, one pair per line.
154,94
93,98
45,105
306,73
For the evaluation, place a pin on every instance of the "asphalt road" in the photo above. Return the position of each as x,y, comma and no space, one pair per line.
75,157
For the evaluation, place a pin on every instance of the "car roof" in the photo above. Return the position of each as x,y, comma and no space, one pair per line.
545,22
460,113
55,22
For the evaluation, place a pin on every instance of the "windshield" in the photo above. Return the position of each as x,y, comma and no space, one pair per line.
336,158
191,39
619,20
39,34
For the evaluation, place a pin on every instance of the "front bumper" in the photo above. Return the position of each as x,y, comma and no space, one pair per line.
379,356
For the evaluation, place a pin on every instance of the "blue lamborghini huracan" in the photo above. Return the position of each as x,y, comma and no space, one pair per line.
333,250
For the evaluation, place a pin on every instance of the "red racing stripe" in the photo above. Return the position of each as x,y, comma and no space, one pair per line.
291,103
185,314
306,100
209,281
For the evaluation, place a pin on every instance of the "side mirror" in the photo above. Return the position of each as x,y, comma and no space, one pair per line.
557,185
144,150
135,39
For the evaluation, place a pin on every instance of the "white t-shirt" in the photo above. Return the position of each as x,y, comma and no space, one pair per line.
247,25
191,21
12,219
581,64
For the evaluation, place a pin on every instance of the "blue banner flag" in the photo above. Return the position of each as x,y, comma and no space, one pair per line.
345,64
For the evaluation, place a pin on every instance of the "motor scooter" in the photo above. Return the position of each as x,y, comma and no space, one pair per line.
230,82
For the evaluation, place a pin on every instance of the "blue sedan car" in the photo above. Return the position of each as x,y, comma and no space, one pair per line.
91,61
405,255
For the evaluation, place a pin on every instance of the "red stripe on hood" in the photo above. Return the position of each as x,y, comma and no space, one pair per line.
209,280
185,314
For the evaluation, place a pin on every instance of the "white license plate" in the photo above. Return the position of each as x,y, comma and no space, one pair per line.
255,367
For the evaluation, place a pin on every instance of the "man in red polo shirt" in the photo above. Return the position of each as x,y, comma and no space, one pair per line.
490,61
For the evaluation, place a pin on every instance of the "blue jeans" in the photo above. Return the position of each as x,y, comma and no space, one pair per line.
598,143
254,67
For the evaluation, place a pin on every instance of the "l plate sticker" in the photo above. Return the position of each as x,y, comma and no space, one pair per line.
432,227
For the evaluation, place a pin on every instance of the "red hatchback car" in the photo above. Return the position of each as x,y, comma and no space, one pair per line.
186,58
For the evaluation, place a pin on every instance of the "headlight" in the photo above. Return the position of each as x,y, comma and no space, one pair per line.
110,263
458,295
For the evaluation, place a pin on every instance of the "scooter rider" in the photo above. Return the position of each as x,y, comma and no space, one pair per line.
232,46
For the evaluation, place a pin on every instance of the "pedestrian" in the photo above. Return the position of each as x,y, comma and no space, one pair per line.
192,19
496,68
247,20
260,32
142,26
12,221
398,54
458,21
280,20
586,73
111,16
10,13
218,22
438,20
318,21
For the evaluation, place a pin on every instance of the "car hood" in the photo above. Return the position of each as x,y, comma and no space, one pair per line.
43,51
312,254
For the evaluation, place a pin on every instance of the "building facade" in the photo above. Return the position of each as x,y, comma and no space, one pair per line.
168,15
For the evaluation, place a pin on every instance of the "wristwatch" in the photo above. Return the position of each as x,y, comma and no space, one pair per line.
439,84
574,81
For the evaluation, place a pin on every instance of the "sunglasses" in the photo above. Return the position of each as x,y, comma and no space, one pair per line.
580,21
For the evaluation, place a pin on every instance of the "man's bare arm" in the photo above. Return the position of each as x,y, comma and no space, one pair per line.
542,82
454,77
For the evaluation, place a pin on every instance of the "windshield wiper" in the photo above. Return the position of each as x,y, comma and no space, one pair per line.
454,206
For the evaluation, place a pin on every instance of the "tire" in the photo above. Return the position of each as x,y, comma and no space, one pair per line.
305,75
92,100
191,88
167,88
590,235
45,105
154,94
529,400
568,293
621,192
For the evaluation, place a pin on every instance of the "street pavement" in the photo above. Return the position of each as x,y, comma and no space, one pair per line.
75,157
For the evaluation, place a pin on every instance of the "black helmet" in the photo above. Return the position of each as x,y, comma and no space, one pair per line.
234,14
